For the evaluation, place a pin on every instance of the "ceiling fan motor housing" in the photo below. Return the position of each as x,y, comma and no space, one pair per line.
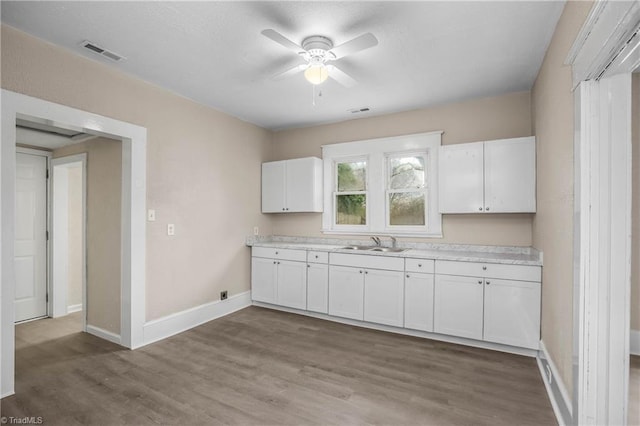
318,47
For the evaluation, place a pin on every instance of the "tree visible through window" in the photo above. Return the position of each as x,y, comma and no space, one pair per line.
351,196
406,190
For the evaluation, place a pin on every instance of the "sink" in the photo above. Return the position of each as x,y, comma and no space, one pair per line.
357,248
388,249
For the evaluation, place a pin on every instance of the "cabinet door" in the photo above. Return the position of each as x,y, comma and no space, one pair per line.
263,280
346,292
318,288
512,312
384,297
418,301
292,284
273,187
510,175
303,180
458,303
461,178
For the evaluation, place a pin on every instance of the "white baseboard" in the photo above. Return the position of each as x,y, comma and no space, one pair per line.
556,390
407,332
634,342
74,308
173,324
103,334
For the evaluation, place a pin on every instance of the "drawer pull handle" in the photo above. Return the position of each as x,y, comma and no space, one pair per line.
484,268
479,281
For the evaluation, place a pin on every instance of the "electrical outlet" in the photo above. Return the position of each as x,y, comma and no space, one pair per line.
171,229
151,215
256,230
223,295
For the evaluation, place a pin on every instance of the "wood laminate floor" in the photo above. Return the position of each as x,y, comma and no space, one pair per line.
259,366
634,391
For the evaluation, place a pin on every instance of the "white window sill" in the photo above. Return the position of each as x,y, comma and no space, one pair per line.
388,233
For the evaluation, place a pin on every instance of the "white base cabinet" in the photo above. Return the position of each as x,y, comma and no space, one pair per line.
292,288
263,280
318,288
418,301
512,312
346,292
279,277
384,297
458,306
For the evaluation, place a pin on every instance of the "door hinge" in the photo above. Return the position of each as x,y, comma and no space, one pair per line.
47,297
47,232
47,173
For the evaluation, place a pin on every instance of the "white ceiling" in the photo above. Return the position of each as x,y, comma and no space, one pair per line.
429,53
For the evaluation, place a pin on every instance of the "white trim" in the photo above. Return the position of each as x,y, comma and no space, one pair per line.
376,151
178,322
74,308
134,141
556,390
634,342
104,334
405,331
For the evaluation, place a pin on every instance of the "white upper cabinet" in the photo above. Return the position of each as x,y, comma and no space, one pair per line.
488,177
292,186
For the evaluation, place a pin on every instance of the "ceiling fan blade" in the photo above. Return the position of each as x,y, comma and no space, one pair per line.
290,72
363,42
340,76
282,40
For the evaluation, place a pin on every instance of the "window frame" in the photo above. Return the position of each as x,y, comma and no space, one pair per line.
376,152
335,193
424,190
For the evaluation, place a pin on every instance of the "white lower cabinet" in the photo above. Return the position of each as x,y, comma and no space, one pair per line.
263,279
384,297
318,287
512,312
292,284
458,306
418,301
346,292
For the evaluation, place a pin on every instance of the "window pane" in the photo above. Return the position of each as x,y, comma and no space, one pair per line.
406,208
351,209
352,176
406,172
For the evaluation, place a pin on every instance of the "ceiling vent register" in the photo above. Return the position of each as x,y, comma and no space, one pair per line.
99,50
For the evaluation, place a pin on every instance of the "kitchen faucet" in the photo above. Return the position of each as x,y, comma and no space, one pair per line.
394,242
377,241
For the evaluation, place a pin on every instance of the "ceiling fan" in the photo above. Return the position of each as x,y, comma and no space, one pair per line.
317,51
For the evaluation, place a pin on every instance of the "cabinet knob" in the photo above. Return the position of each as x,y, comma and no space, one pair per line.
488,282
408,276
366,272
274,262
276,252
288,208
360,271
479,281
283,209
480,208
487,209
316,256
308,266
484,268
419,265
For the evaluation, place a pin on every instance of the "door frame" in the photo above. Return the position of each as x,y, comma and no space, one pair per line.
604,54
59,300
133,251
47,155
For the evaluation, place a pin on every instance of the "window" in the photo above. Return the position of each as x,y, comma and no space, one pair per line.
406,190
351,192
382,186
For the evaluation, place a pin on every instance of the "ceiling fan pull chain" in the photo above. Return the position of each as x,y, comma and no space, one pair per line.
313,96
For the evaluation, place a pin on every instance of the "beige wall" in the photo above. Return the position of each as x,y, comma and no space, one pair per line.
482,119
74,287
104,195
552,101
203,169
635,212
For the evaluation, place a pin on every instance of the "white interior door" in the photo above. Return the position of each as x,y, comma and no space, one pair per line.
30,237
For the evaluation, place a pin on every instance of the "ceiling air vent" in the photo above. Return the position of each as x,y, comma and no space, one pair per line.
358,110
113,56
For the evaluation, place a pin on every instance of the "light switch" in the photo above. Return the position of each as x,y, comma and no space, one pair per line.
256,230
171,229
151,215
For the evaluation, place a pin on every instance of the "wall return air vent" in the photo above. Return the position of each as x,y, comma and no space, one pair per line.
99,50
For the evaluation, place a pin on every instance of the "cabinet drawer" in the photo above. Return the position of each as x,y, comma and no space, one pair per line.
277,253
489,270
419,265
317,257
367,261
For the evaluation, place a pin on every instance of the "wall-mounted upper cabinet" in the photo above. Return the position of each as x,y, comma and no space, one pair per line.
488,177
292,186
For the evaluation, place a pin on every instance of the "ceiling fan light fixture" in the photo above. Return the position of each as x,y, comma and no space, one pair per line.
316,74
